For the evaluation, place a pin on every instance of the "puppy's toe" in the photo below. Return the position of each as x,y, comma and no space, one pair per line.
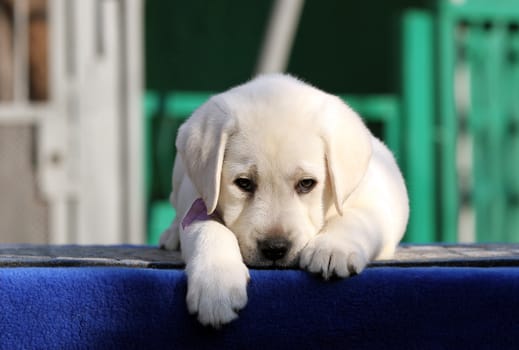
345,263
316,257
169,240
215,315
328,256
357,261
217,294
315,260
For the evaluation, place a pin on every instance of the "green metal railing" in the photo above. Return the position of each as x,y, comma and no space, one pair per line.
418,120
460,99
480,37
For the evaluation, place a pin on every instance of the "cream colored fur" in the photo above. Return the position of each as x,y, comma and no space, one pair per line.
276,131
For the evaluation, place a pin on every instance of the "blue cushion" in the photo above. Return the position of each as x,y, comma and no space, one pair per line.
385,307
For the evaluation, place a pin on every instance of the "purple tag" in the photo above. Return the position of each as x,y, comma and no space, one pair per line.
198,212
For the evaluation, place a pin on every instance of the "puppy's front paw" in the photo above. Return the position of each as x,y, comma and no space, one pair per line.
216,292
330,255
170,239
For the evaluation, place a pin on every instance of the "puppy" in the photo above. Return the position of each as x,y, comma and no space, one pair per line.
275,173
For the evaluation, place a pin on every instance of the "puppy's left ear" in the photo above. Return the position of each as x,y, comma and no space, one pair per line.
201,143
347,145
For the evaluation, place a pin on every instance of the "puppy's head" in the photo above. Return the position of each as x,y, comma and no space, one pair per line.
274,158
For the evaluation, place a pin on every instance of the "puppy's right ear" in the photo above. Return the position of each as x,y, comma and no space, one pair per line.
201,143
348,147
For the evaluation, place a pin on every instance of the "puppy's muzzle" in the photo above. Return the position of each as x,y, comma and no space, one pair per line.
274,249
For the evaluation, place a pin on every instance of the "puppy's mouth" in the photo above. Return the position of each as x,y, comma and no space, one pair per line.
273,254
260,262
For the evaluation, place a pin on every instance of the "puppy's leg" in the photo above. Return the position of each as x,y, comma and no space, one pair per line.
170,239
216,275
344,246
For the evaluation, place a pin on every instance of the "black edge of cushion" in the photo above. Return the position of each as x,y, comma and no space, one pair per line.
407,255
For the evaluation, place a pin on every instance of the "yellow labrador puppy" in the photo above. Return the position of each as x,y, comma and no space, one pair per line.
276,173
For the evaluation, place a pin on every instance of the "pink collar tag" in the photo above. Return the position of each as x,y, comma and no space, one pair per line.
197,212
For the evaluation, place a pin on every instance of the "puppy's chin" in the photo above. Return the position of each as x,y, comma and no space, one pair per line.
257,261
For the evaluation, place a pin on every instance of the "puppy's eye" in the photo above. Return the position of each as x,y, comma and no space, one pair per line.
244,184
305,185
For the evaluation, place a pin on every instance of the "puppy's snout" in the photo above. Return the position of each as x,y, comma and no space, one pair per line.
274,248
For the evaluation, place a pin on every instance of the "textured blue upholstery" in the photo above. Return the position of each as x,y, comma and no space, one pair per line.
385,307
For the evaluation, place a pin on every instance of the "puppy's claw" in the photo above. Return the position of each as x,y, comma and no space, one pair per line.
169,240
216,295
324,256
356,263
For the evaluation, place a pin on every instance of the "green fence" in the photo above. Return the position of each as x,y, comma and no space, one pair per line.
478,46
460,98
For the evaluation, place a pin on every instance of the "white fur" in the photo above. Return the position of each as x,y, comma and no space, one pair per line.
277,131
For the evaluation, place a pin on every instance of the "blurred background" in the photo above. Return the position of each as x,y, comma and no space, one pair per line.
93,91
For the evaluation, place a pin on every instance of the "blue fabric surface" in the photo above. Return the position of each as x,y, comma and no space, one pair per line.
383,308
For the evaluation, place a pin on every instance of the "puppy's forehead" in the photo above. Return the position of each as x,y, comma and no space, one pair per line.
275,126
283,121
287,152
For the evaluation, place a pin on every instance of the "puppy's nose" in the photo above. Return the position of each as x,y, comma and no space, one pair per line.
274,248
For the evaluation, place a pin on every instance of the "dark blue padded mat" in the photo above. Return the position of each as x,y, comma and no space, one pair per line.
133,297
